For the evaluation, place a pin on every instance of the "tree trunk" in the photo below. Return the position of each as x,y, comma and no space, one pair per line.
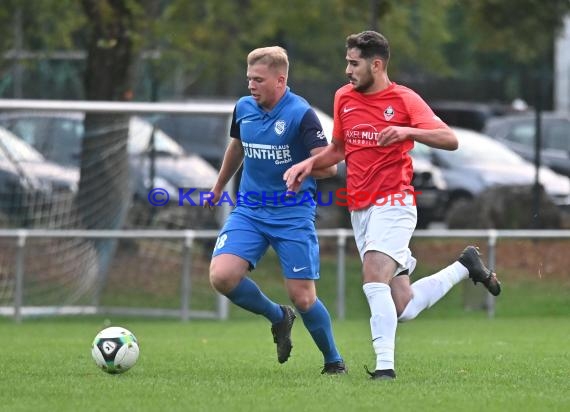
104,190
104,186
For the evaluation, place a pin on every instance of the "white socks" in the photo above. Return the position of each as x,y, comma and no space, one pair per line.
430,289
383,323
383,317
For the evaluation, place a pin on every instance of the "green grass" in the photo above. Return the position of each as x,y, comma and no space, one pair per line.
461,364
447,359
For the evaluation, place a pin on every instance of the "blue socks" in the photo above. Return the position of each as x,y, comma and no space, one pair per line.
317,320
248,296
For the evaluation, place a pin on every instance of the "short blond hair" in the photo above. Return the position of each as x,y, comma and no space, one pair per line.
274,57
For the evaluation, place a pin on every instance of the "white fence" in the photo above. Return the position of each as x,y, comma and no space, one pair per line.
19,309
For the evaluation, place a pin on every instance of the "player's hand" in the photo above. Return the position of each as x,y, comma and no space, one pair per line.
295,175
392,134
213,199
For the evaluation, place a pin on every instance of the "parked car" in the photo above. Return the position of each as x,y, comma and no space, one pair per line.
431,189
481,162
58,136
205,132
518,133
30,185
468,115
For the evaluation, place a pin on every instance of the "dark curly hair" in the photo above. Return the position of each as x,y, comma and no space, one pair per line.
370,43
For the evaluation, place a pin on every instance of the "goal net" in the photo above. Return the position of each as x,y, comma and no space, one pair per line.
91,165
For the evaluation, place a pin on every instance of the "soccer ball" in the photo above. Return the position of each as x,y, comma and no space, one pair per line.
115,350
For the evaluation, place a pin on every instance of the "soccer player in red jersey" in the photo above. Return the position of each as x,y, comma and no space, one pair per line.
376,123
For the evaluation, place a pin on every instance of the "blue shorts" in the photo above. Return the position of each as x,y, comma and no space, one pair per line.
249,232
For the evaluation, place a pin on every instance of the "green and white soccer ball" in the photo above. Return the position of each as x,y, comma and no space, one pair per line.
115,350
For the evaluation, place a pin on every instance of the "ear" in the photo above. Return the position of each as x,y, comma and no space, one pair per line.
281,81
377,65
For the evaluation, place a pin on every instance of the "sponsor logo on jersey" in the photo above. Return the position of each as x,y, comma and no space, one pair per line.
280,126
388,113
280,154
362,135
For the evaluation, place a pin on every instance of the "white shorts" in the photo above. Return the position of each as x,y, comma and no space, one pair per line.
387,229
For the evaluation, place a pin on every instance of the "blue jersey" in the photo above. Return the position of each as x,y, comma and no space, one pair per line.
273,142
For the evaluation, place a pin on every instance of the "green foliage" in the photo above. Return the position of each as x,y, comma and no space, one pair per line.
523,29
46,25
200,47
418,34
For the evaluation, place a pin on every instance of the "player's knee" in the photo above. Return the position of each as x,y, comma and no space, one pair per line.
220,279
303,302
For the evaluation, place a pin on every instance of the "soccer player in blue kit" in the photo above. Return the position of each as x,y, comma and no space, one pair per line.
271,130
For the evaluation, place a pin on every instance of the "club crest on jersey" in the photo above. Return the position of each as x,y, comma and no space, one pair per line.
388,113
280,127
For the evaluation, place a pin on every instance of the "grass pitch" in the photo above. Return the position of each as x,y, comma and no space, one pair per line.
446,360
469,363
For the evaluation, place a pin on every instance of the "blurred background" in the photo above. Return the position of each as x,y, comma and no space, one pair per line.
488,51
498,71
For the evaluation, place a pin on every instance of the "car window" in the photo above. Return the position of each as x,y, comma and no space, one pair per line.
421,151
558,135
14,149
522,133
203,133
63,141
27,130
139,139
58,139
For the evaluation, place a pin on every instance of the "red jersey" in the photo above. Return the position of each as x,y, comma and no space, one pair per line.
374,171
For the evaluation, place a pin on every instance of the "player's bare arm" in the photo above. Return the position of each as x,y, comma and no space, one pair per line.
327,157
233,159
324,172
441,138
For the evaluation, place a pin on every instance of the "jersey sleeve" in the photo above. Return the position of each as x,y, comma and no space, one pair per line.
337,125
421,115
311,131
234,127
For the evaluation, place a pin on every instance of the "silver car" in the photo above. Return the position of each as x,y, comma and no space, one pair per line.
31,187
481,162
518,133
58,137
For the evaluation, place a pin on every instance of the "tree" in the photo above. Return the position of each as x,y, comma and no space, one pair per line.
506,46
523,29
108,76
201,46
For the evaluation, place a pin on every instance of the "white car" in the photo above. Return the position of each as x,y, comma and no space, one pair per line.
58,136
31,187
481,162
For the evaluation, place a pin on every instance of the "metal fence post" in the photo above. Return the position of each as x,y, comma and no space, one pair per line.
341,274
186,282
223,307
19,287
490,299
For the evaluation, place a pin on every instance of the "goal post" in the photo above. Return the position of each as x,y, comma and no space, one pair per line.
97,162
